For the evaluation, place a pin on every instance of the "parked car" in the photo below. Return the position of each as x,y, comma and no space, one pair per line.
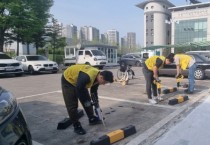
202,71
13,127
37,63
10,66
131,59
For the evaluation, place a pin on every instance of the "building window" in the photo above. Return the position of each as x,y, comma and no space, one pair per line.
146,8
152,7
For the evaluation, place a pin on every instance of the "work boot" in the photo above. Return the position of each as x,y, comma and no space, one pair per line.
78,128
94,120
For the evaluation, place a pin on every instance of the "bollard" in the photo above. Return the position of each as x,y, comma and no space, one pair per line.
114,136
178,100
66,122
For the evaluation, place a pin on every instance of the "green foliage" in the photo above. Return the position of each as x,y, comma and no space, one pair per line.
57,58
24,21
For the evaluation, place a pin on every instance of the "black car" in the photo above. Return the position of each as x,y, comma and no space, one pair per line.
202,70
13,126
131,59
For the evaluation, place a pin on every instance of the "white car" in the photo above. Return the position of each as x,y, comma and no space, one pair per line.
10,66
37,63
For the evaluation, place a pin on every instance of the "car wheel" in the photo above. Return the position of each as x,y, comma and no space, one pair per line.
138,64
21,142
199,74
31,69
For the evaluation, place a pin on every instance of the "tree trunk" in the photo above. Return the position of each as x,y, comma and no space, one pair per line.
28,50
17,48
1,40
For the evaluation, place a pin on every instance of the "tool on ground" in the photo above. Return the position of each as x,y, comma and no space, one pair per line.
157,82
97,108
178,80
66,122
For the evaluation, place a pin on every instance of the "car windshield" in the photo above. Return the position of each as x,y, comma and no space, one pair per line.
136,56
4,56
35,58
98,53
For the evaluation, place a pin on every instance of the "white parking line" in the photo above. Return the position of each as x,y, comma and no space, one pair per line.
102,97
135,102
20,98
36,143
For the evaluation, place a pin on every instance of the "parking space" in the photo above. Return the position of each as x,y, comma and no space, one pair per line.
42,103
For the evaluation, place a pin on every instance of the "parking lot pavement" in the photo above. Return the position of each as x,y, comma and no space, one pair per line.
42,103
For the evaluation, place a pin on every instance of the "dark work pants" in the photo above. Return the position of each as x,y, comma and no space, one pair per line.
149,83
71,101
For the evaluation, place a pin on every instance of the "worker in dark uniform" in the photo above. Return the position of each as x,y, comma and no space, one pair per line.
150,71
75,82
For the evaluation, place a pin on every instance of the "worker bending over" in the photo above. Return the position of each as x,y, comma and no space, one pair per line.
75,82
150,71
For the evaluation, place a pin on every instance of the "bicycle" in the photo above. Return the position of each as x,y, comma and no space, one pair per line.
125,73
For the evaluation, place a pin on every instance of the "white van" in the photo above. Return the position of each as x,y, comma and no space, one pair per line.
92,57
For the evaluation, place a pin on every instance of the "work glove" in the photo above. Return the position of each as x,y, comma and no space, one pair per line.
95,101
157,80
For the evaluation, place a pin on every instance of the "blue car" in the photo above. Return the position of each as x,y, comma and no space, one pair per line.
13,127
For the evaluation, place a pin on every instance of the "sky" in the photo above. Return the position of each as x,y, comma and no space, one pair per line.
122,15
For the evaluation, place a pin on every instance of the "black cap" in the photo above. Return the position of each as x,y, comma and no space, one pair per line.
108,76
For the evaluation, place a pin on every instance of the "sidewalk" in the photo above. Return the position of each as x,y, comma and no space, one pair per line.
193,130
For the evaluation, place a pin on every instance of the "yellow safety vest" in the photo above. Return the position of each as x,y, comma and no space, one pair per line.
184,60
72,72
150,62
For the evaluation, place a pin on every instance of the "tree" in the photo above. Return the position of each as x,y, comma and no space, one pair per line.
41,10
53,31
5,24
23,21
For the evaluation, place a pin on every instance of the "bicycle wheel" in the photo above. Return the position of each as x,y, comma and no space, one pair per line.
120,74
130,74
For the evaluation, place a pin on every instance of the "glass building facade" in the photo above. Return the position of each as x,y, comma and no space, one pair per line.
190,30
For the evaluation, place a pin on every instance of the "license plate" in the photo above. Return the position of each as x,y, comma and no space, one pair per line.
10,68
48,68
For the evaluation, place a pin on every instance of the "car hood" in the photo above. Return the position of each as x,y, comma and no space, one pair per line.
41,62
8,61
100,57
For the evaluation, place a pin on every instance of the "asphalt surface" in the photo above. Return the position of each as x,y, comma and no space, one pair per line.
41,100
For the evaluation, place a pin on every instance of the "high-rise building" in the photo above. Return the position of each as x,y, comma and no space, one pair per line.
113,37
104,39
157,30
131,40
124,45
70,32
89,34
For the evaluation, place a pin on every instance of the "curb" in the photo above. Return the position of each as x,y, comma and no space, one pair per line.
114,136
